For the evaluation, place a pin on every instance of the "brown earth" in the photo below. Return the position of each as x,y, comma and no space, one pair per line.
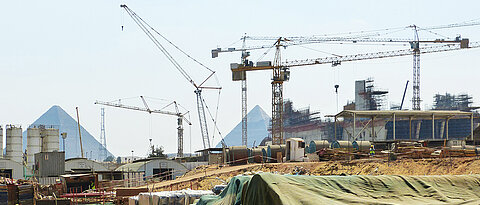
208,176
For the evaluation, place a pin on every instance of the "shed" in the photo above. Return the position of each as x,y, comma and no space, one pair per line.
11,169
155,167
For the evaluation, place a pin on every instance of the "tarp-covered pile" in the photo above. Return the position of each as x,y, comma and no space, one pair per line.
180,197
267,188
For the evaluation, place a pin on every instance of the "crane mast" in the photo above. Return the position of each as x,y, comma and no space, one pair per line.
180,118
147,29
245,55
416,70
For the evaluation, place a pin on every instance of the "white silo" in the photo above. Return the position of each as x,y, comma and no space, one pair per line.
14,143
1,141
34,144
51,140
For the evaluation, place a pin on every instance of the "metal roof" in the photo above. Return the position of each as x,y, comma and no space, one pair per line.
402,113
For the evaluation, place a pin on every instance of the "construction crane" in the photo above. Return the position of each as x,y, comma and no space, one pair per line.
180,117
281,72
366,38
147,29
103,139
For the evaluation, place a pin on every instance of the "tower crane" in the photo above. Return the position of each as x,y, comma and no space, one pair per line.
149,31
358,38
180,117
281,72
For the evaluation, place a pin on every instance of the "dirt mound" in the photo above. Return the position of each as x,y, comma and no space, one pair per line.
207,177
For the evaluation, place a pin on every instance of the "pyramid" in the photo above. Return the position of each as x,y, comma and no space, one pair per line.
257,123
58,118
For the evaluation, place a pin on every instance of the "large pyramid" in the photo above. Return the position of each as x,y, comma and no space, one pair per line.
257,124
58,118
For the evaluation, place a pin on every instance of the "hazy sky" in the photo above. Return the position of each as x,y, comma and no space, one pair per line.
71,53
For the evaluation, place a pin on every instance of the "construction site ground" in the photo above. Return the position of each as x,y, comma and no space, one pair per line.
206,177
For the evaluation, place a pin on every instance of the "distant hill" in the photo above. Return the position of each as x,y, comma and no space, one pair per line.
257,129
58,118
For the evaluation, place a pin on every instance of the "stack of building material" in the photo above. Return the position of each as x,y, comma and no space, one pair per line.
192,195
12,194
169,197
25,194
460,151
3,194
164,197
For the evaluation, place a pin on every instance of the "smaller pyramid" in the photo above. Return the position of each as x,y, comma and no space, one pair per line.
257,129
58,118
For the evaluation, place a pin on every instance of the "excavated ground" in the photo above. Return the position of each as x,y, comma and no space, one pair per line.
208,176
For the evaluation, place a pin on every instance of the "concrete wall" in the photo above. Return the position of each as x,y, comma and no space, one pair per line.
147,166
17,169
307,135
360,102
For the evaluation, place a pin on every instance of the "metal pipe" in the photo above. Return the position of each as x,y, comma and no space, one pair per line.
433,126
448,119
394,126
471,128
354,125
335,124
410,127
373,129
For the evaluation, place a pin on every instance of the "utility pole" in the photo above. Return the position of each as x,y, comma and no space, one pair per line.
79,132
64,136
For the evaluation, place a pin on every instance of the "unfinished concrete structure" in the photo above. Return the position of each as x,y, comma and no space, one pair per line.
367,96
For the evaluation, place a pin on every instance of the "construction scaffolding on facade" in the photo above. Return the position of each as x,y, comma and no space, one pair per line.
368,97
449,101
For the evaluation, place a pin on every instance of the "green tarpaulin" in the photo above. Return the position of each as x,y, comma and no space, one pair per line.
267,188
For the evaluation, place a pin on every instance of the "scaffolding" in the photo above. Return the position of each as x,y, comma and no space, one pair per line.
449,101
368,97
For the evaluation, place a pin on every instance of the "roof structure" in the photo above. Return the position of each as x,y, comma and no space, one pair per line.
403,114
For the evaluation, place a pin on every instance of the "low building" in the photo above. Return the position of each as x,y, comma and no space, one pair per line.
153,168
12,170
295,150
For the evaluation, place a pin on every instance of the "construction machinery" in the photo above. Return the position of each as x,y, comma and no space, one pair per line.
180,117
201,107
281,72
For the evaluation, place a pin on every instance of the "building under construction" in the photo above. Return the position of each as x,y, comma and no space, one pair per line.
449,101
368,97
306,124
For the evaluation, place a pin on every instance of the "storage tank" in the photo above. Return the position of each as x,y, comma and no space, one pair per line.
272,151
341,144
13,140
256,154
316,145
238,154
51,140
361,145
34,144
